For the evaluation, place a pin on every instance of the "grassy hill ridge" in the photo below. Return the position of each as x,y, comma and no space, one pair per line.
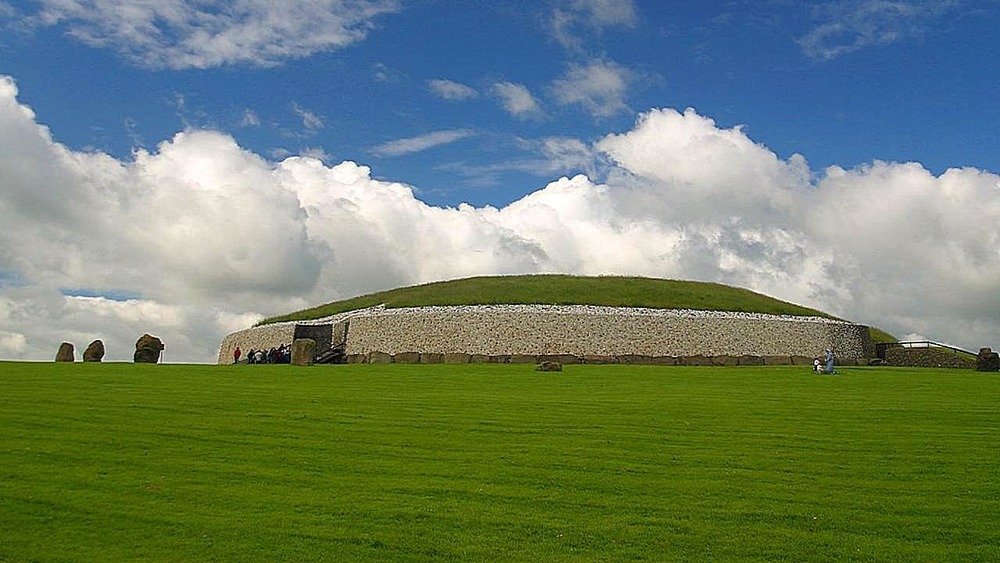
558,289
553,289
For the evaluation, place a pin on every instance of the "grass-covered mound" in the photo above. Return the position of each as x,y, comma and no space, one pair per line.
554,289
609,291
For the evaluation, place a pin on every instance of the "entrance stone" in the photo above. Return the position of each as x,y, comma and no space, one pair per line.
303,352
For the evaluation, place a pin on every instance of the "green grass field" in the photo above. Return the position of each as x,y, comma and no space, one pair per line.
120,462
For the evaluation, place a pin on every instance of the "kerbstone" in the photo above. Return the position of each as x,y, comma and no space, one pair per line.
406,358
379,358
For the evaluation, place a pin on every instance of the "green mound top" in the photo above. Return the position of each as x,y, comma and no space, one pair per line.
606,291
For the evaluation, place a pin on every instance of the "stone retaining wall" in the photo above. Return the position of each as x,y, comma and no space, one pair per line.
927,357
515,332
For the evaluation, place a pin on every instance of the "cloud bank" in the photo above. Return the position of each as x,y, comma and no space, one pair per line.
200,237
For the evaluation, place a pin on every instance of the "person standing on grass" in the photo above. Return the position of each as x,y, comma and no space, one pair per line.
829,361
236,355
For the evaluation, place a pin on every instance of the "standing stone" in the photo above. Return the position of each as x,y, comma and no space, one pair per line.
303,352
987,360
66,353
147,349
94,352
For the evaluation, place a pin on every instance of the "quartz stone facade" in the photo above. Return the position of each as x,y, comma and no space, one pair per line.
497,331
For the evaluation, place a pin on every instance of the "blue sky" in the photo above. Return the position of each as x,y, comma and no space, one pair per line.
838,82
795,106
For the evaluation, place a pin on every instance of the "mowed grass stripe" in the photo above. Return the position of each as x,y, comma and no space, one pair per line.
491,462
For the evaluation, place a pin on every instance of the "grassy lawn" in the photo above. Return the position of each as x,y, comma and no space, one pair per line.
120,462
554,289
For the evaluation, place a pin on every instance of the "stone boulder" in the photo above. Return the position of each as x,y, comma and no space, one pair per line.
303,352
66,353
147,349
549,366
987,360
94,352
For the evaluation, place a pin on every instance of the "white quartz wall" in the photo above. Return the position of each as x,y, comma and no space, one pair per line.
574,330
537,330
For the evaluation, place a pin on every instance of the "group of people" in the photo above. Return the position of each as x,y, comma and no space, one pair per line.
276,355
819,367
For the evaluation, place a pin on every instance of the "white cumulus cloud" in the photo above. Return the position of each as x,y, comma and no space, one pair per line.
199,237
